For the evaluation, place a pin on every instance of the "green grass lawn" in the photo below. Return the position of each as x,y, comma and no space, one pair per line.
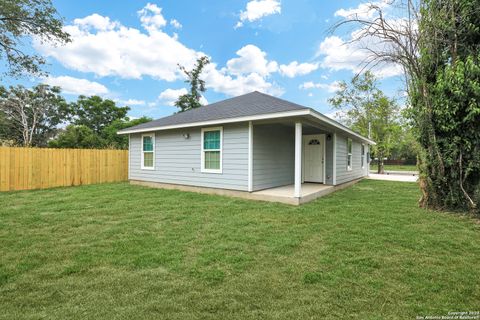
392,167
117,251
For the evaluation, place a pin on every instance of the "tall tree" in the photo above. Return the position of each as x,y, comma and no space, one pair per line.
33,114
366,109
191,100
76,137
115,141
437,43
21,19
94,123
96,113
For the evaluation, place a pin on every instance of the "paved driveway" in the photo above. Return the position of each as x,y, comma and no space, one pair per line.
393,177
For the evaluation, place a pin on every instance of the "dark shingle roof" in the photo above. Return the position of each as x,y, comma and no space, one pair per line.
250,104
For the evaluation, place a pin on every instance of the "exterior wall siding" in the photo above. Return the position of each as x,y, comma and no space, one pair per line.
178,160
344,175
329,160
273,156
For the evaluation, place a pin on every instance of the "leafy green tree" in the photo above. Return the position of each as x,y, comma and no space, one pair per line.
437,44
445,104
32,115
77,137
406,146
363,105
191,100
23,19
96,113
113,140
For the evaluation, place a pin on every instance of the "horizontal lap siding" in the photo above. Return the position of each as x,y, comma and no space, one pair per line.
329,160
343,175
178,160
273,156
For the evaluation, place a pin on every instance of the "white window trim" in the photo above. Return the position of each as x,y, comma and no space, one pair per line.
152,135
202,165
349,155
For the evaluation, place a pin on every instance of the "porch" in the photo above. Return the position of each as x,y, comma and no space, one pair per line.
285,194
291,158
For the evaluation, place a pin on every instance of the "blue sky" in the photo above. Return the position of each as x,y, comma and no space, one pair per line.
128,50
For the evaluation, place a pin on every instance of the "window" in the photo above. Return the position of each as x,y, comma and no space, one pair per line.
363,156
148,151
212,150
349,154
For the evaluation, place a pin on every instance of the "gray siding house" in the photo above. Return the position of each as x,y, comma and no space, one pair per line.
247,144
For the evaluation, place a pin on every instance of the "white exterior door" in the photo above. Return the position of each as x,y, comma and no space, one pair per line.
313,155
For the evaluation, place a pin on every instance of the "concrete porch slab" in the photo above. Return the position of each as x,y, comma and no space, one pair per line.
284,194
310,191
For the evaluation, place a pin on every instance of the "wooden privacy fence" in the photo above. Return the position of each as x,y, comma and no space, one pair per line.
38,168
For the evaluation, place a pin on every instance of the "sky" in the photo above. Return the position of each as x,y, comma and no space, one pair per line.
128,51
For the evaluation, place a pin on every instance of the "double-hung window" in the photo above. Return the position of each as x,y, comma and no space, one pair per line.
148,151
349,154
212,150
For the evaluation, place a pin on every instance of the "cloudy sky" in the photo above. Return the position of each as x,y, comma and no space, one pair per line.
128,51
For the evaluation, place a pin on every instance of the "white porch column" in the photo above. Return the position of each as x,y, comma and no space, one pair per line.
250,156
298,159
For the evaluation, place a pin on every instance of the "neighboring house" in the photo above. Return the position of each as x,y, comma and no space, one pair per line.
247,143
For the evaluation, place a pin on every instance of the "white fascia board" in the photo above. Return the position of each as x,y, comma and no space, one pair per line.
222,121
276,115
339,126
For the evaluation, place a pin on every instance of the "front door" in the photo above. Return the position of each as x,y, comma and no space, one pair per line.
313,157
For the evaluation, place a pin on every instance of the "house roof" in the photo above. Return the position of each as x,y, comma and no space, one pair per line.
251,106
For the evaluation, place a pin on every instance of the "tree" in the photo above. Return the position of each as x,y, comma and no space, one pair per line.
191,100
113,140
96,113
32,114
406,146
437,44
77,137
94,124
365,108
21,19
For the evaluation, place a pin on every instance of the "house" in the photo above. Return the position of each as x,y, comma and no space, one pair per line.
254,146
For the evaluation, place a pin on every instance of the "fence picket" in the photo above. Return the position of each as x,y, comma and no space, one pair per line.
38,168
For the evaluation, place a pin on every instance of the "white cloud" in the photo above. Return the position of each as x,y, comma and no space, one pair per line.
108,48
339,54
350,52
169,96
258,9
174,23
77,86
363,10
251,60
297,69
95,21
329,87
131,102
151,17
221,81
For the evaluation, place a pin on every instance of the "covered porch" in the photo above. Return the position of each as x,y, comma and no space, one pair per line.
293,158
